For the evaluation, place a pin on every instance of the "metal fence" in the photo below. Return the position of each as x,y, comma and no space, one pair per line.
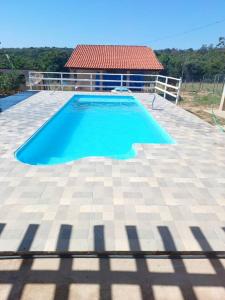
210,84
164,85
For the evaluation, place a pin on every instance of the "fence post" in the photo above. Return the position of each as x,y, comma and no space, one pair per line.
214,83
200,85
61,80
91,82
31,87
157,78
178,91
222,102
101,82
165,88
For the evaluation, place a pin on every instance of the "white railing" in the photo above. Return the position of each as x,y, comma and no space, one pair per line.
96,81
172,89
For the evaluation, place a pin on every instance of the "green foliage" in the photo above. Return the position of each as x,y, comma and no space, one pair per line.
10,82
221,43
193,64
207,61
40,59
206,99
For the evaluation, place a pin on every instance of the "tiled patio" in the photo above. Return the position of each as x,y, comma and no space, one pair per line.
170,197
112,279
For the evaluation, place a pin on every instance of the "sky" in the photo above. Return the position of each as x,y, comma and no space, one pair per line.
66,23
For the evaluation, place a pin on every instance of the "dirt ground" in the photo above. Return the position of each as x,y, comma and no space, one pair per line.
199,109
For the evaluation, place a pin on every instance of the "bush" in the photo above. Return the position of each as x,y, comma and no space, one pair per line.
10,82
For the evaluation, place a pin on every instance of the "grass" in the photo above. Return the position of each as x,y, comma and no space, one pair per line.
201,94
206,100
196,87
199,98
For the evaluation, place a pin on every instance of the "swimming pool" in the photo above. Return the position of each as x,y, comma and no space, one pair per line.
92,125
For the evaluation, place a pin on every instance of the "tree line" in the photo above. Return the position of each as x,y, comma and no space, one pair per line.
36,59
190,64
41,59
193,65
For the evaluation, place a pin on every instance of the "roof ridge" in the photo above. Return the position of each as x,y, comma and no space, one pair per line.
113,45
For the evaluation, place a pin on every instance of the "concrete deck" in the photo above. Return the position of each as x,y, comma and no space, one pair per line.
170,197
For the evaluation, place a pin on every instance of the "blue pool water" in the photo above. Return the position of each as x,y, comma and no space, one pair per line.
92,125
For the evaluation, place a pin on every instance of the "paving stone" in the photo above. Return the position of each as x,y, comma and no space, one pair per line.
178,188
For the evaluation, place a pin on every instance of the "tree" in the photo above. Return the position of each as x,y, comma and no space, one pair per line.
192,64
221,43
10,82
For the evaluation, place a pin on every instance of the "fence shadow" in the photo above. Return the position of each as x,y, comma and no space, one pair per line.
105,277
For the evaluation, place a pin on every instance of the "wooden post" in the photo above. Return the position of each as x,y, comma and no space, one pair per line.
91,82
178,91
156,81
128,78
101,83
31,87
165,88
121,80
61,80
222,102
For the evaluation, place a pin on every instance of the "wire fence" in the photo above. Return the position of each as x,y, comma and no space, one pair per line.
213,84
203,96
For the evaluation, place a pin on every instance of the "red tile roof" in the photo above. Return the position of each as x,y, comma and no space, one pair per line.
113,57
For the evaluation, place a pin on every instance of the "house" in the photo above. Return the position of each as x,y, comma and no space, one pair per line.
109,62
